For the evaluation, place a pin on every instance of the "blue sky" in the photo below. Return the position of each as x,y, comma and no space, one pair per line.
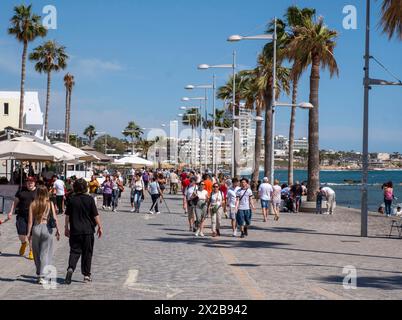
131,60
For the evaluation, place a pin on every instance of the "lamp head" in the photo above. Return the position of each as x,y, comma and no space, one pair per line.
189,87
235,38
306,105
203,67
185,99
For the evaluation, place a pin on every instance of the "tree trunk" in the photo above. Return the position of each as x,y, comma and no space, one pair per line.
47,106
67,137
292,131
70,92
313,136
22,92
257,146
267,134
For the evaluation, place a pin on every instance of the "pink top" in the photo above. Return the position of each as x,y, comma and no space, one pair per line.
388,194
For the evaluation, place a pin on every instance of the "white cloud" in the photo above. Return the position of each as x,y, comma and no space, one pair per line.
94,66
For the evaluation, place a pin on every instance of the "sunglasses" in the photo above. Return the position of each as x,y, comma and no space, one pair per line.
216,186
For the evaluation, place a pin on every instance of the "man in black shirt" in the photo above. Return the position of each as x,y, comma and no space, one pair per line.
81,219
297,193
23,199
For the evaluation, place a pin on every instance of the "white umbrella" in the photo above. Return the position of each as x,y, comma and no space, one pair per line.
79,154
133,160
30,149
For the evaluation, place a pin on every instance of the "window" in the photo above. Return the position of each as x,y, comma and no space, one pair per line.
6,109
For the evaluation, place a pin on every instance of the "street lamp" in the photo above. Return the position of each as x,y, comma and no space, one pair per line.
233,67
206,87
272,37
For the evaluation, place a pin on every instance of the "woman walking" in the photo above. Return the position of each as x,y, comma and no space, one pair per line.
388,197
156,193
137,193
115,192
42,220
201,209
107,187
216,205
93,188
81,219
276,199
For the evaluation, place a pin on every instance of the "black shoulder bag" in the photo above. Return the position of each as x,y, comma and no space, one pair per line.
51,221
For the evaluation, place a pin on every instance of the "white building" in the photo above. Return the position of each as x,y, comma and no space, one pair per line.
384,156
10,112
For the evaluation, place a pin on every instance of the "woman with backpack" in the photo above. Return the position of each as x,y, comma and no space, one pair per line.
42,221
216,207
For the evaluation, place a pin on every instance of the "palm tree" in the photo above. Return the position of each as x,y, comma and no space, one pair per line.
315,43
192,117
69,84
26,27
133,131
50,58
221,120
295,17
90,132
143,146
391,20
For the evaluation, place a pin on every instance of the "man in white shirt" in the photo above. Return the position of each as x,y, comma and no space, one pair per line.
265,194
244,207
59,186
231,202
174,182
331,199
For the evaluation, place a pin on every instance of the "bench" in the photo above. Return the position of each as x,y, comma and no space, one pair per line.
396,223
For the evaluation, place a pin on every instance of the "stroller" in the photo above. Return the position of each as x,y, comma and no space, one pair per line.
287,201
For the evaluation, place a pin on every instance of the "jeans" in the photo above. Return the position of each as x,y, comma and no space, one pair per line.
155,198
115,199
388,204
318,209
137,197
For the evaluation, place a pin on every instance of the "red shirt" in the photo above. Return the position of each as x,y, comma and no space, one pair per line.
186,182
224,189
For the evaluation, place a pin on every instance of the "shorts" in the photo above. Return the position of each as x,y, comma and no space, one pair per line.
22,226
232,213
243,217
276,203
265,204
191,210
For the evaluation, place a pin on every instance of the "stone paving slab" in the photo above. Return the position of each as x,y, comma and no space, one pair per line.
155,257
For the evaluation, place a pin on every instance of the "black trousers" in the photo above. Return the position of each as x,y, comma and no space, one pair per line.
155,198
81,246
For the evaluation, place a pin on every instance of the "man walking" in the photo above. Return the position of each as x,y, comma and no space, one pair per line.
59,188
244,207
231,203
265,194
23,199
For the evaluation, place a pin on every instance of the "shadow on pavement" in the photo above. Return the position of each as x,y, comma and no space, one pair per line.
385,283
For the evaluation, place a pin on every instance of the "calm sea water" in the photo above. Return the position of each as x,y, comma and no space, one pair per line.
349,195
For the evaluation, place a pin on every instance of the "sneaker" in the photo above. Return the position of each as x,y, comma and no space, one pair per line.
132,210
30,256
202,235
115,210
151,212
197,233
234,234
87,279
23,248
158,212
103,207
69,275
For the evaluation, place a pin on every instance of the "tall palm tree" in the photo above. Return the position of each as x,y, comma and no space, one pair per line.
221,120
26,27
391,20
50,57
134,132
316,43
69,84
90,132
294,17
192,118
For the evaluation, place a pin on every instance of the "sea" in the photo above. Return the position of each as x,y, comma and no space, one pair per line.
347,185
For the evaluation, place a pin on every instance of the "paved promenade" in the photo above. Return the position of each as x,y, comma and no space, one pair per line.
155,257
